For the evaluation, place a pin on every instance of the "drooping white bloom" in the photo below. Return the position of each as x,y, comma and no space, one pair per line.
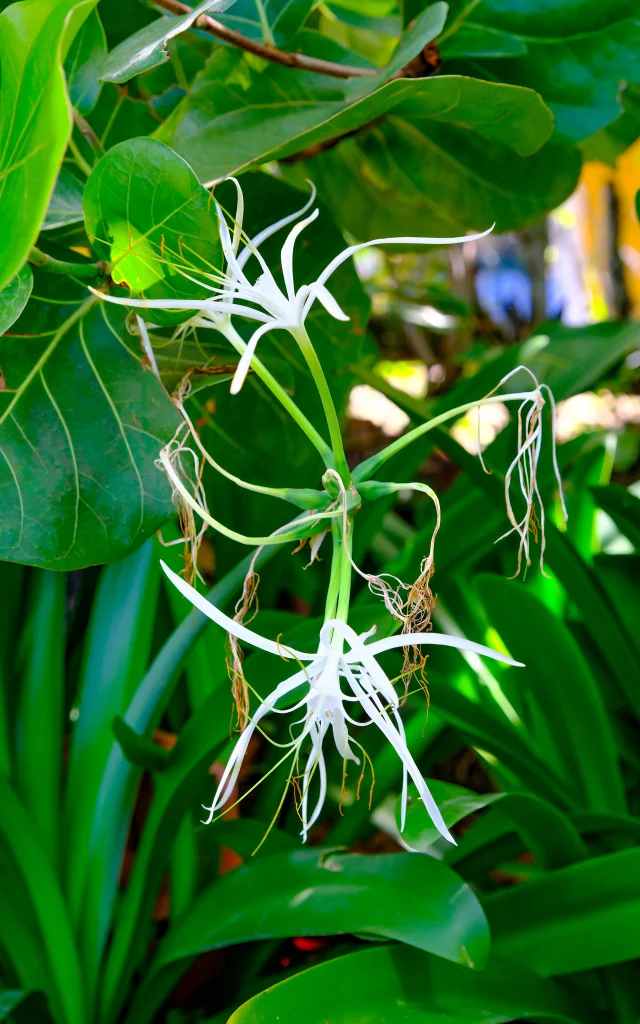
263,300
329,689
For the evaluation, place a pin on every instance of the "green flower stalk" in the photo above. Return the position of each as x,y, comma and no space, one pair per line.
339,688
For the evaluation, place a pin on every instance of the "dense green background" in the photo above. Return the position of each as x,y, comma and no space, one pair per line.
114,117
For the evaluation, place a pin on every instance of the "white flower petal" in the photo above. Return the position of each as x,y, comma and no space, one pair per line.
403,240
320,292
437,640
242,369
286,255
230,625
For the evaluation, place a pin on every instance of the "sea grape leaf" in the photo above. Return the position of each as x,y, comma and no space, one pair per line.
398,180
119,117
259,19
35,118
145,212
612,140
148,47
81,424
84,63
537,18
580,78
235,117
14,297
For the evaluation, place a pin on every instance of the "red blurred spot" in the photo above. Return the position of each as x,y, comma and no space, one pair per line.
308,945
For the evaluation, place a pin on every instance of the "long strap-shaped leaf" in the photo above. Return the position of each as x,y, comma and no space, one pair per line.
40,708
18,835
112,808
177,789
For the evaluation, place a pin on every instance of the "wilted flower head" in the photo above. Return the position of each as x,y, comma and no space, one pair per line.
334,690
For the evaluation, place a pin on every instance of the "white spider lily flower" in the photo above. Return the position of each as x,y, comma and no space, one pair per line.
331,687
263,300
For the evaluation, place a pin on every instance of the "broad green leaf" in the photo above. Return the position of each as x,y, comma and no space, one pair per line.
541,18
580,917
546,832
398,985
623,507
14,297
579,78
144,212
270,21
611,141
99,854
317,892
84,64
19,840
481,41
235,117
81,424
35,119
41,701
119,117
65,205
556,694
148,47
383,182
416,900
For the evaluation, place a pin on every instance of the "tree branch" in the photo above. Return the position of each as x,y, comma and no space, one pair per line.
270,53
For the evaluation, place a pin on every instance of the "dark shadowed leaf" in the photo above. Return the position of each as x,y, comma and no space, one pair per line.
81,423
65,205
404,986
84,64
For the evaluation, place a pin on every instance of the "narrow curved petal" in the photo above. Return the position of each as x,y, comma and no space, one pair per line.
242,368
271,230
323,295
230,625
234,764
403,240
370,702
286,256
437,640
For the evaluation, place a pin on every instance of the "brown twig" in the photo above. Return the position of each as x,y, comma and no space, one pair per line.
270,53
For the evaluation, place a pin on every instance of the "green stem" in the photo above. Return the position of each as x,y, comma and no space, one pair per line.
83,164
311,358
53,266
333,591
267,34
367,468
279,392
